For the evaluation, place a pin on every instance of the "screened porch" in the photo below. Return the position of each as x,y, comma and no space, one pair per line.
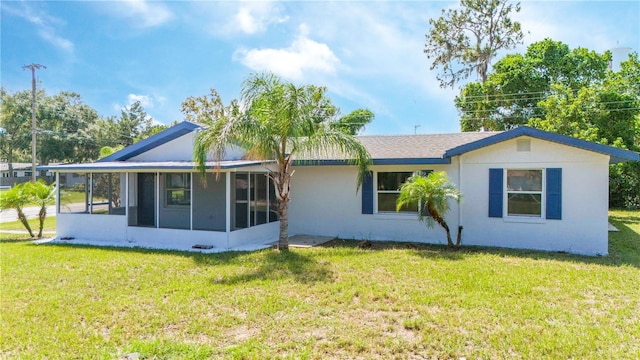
182,200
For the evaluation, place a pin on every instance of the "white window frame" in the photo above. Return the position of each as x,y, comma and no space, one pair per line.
542,192
187,187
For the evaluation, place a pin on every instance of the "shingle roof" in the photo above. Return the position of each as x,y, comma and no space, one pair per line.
417,146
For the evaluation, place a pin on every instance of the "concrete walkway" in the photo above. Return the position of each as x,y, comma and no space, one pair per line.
300,241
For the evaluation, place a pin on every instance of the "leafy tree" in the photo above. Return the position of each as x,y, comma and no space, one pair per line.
133,121
17,198
108,150
42,194
354,121
463,41
281,121
66,126
511,94
432,192
15,124
133,125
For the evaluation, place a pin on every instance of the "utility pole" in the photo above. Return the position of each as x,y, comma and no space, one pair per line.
33,68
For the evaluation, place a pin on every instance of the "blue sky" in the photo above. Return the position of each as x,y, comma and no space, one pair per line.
368,54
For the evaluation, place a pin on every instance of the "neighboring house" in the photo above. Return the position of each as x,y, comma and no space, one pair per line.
19,170
522,188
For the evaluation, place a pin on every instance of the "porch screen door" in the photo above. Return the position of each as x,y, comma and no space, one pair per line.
146,199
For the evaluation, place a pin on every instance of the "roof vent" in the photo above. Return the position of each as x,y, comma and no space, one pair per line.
523,145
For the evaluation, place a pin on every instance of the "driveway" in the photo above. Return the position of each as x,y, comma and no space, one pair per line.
30,212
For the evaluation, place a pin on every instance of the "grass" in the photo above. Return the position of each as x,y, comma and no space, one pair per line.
336,301
49,225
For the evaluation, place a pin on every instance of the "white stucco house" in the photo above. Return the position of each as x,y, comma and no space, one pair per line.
523,188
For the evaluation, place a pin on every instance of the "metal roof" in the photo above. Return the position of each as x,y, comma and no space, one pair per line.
151,165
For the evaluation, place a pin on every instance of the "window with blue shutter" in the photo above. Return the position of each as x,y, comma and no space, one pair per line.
495,192
367,193
554,193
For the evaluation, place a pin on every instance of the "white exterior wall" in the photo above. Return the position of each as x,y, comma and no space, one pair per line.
585,177
114,229
181,149
92,226
324,202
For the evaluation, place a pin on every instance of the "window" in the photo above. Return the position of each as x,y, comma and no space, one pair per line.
389,184
178,188
73,196
524,193
107,193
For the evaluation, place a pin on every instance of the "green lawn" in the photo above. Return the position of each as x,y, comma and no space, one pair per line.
49,225
337,301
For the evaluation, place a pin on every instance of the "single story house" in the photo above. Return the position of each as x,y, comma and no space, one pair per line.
19,170
522,188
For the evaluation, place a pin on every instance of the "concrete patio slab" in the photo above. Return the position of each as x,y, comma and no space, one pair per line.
306,241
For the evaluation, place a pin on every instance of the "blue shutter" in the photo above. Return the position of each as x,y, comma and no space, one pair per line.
421,210
554,194
367,193
495,192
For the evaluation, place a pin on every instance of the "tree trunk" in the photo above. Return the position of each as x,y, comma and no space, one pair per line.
438,218
281,180
449,242
41,216
10,162
23,220
283,238
459,239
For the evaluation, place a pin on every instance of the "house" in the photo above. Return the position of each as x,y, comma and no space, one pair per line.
19,170
523,188
20,173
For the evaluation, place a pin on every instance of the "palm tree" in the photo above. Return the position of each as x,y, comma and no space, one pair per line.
432,192
281,121
16,198
43,195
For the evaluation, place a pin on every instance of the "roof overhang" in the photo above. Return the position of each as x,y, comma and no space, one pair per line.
390,161
131,166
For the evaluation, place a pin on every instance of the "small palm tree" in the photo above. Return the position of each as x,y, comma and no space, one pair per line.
432,192
43,195
16,198
281,121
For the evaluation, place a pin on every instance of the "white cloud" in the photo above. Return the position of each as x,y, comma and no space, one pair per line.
143,13
302,57
228,19
145,100
44,23
255,17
